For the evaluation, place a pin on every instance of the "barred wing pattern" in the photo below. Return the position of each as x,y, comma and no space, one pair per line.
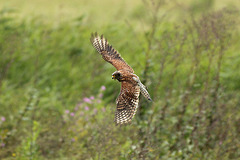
108,53
131,86
127,103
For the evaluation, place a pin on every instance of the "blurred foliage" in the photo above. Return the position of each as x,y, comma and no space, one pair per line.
58,100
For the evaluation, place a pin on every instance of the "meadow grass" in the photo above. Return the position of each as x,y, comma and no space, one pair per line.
57,98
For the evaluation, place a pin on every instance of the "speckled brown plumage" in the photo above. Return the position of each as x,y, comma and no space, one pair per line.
108,53
131,86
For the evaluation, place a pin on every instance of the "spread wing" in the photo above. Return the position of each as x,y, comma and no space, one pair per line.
108,53
127,103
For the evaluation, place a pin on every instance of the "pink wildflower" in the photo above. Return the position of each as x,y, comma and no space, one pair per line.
67,111
103,88
100,95
92,97
87,100
72,114
3,119
86,108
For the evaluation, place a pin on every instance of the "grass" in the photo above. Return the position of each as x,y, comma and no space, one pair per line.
57,97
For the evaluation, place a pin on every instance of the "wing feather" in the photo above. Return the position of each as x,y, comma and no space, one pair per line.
108,53
127,103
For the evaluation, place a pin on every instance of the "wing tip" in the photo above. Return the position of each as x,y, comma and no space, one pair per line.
93,36
99,42
124,117
123,123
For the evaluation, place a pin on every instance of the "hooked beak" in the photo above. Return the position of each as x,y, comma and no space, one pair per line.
113,76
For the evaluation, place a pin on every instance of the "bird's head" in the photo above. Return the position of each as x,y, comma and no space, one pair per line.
117,76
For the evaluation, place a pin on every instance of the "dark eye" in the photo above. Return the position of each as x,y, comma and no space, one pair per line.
118,74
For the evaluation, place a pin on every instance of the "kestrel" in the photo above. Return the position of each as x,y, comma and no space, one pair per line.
131,86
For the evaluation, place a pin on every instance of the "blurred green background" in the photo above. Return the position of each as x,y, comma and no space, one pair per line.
57,98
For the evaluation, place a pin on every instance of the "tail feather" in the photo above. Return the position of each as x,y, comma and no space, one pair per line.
143,89
145,92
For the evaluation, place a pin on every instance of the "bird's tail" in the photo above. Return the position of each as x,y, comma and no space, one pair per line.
143,89
145,92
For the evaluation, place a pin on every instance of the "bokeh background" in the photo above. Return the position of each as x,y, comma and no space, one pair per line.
57,98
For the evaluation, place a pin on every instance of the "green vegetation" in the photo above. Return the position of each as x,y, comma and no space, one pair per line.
57,98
